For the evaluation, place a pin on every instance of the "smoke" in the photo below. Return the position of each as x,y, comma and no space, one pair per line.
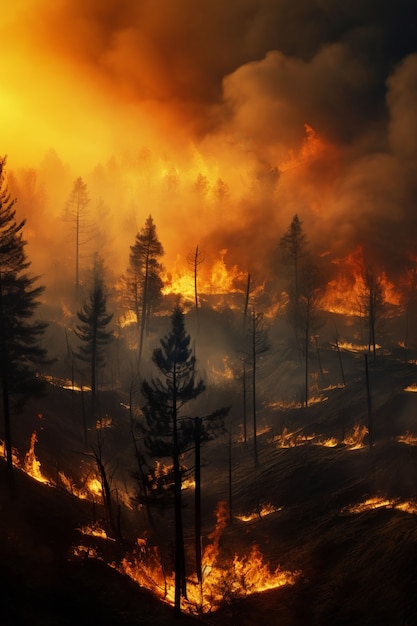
222,120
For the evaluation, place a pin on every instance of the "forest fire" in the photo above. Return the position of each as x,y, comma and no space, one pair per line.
263,510
223,580
378,502
353,440
31,465
347,294
409,439
219,279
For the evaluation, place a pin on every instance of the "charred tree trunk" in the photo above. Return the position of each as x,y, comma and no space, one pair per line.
197,496
5,394
180,581
255,442
369,399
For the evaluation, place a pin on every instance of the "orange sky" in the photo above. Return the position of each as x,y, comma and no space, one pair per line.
293,106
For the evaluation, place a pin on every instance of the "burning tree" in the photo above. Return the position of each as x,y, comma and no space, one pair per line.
167,431
144,283
92,329
20,337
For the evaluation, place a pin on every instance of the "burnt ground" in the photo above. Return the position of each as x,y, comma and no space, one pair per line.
353,568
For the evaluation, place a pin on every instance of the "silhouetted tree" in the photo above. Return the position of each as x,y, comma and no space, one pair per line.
167,430
195,259
92,329
20,348
76,213
307,317
166,434
144,283
372,304
257,345
294,246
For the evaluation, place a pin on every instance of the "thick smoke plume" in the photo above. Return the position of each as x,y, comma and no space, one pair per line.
222,120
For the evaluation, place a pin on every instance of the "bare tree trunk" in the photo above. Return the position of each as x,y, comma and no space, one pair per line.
5,394
368,394
197,498
255,442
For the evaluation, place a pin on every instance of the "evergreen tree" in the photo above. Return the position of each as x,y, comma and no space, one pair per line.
92,329
167,431
76,212
294,246
144,283
20,348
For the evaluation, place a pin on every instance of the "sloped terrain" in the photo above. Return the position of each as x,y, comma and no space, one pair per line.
350,566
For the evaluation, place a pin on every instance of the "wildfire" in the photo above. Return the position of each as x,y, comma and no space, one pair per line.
352,440
95,530
289,439
31,465
412,388
222,580
408,438
260,512
378,502
226,373
218,280
312,147
345,294
15,453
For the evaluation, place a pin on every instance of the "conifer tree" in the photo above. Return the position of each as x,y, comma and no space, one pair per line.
167,431
144,283
92,329
76,212
20,349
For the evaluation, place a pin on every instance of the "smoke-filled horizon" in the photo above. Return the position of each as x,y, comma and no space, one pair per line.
221,121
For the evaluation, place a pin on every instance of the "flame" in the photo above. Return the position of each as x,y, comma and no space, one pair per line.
377,502
261,511
354,440
412,388
104,422
31,465
218,280
344,294
226,373
222,580
91,490
95,530
15,453
408,438
312,147
289,439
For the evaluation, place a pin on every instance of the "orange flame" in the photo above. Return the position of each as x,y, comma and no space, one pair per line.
345,293
221,581
218,280
31,465
377,502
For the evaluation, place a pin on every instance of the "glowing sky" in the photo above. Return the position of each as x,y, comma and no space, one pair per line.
224,89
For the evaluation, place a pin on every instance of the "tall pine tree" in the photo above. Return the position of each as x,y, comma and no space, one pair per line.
168,431
92,329
20,349
144,283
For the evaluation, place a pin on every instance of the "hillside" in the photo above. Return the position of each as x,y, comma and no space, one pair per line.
347,567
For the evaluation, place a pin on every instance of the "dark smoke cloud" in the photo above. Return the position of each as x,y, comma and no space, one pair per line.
240,80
